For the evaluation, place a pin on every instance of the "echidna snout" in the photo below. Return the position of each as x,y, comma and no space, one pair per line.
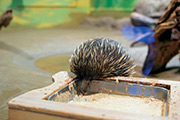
101,58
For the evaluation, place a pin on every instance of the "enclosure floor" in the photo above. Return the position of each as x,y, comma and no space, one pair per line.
20,47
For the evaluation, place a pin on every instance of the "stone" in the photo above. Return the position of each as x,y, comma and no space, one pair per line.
151,7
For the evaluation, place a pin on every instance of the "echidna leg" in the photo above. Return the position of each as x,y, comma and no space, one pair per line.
78,86
85,84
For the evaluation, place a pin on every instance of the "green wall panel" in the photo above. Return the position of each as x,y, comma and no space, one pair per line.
123,5
62,3
48,13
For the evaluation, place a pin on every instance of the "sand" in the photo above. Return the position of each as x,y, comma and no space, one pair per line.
146,106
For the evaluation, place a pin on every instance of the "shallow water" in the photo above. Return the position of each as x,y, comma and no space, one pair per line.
54,63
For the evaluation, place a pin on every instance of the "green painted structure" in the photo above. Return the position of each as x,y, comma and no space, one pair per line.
121,5
48,13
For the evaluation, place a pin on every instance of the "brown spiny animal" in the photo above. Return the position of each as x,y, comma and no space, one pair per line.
101,58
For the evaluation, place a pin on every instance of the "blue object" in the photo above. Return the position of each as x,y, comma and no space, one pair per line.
148,64
140,34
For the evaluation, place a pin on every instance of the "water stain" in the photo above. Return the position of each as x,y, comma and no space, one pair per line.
54,63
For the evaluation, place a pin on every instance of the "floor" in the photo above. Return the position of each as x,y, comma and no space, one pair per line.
21,47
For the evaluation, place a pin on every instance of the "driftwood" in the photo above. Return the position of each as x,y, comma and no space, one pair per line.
6,18
167,39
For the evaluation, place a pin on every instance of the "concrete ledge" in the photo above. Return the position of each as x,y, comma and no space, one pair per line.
33,104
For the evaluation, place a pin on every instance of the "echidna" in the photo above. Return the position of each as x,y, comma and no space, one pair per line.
101,58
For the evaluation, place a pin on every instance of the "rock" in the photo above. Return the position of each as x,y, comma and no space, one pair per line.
107,22
151,7
122,21
142,20
147,12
